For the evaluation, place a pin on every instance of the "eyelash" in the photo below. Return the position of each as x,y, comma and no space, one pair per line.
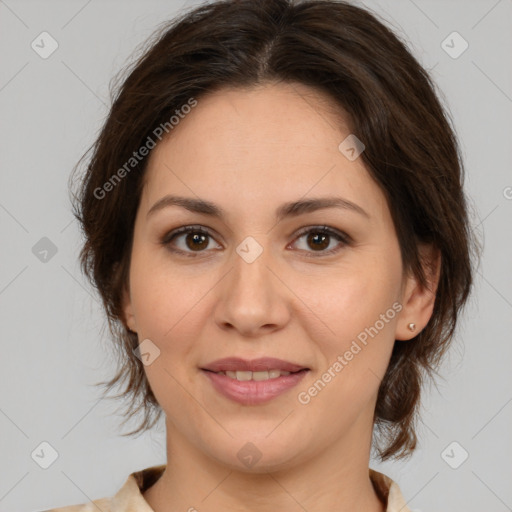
324,230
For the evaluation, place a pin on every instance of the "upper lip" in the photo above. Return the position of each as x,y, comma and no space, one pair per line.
254,365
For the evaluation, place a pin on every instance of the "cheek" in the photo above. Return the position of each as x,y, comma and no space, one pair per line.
164,304
169,308
356,334
160,295
352,298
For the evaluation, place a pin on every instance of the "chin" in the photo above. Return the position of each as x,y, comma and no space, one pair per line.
259,453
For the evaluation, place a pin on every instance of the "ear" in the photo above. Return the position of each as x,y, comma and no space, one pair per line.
129,316
417,300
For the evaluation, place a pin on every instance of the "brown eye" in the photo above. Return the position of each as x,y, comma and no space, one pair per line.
191,241
196,241
319,239
188,240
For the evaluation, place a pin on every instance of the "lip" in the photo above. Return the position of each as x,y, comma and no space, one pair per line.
253,392
255,365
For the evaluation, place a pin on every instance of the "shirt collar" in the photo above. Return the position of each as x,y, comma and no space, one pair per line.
389,492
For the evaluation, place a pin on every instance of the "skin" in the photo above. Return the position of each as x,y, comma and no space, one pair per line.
249,151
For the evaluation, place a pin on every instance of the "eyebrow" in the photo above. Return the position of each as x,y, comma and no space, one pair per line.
290,209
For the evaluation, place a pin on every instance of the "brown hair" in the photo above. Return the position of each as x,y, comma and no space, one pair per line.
411,152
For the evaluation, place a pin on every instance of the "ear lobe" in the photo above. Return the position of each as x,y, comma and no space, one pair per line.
418,300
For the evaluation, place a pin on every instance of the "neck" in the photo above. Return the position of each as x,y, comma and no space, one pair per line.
337,479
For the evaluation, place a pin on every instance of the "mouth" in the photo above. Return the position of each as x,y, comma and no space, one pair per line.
253,382
242,375
260,367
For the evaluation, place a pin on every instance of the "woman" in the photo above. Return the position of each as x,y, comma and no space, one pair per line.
275,220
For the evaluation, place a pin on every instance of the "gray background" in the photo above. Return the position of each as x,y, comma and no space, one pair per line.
54,346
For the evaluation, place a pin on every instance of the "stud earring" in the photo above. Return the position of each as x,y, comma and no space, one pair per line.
411,326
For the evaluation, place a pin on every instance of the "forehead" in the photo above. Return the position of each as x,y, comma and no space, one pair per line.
272,143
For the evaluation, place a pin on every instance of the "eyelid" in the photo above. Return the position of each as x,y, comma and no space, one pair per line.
191,228
343,238
327,229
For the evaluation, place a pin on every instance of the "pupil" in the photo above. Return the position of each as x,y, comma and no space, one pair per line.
314,238
197,238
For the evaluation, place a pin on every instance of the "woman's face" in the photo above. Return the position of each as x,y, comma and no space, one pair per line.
266,281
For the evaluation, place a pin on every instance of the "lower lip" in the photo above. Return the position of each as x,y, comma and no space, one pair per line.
253,392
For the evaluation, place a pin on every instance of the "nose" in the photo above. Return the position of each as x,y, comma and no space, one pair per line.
253,298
